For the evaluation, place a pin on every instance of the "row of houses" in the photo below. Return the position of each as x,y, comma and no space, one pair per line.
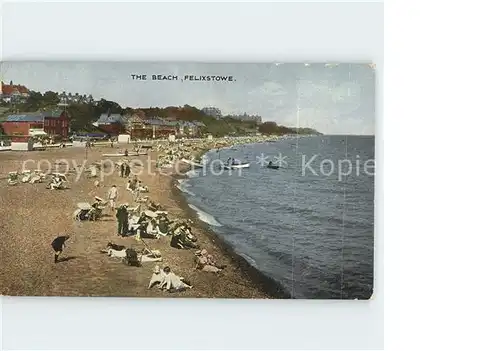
217,114
69,98
151,127
247,118
57,124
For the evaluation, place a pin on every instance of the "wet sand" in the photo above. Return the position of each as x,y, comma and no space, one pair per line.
33,216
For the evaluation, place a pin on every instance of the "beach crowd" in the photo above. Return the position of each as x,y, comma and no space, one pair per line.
139,218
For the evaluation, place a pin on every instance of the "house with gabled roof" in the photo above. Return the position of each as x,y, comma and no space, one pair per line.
112,123
13,93
191,128
51,123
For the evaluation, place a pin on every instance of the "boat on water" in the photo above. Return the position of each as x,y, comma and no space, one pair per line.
237,166
273,167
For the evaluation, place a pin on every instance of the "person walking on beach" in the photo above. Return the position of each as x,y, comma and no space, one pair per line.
112,195
136,193
127,170
58,245
122,170
122,217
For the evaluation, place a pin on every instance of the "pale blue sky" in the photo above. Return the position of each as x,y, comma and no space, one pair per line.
333,99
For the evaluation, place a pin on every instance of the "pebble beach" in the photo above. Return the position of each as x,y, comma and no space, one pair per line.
33,216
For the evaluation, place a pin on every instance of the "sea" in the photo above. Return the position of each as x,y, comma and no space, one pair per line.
308,225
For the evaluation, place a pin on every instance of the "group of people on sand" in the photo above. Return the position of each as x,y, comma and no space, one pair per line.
152,222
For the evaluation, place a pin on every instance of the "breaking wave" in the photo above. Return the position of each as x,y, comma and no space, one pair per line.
192,173
248,259
205,217
182,187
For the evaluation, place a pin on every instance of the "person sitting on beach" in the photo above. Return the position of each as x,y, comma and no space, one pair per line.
56,183
142,188
180,239
142,258
163,227
116,247
176,241
129,185
189,235
159,277
173,282
153,206
152,228
206,262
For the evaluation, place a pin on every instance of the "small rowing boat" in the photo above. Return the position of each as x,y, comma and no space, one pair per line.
273,167
237,166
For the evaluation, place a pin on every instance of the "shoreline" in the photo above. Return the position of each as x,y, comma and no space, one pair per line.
268,285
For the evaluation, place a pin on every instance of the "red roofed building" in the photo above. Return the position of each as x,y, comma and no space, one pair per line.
55,124
10,92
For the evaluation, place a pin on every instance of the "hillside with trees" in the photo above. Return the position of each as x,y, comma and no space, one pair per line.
84,114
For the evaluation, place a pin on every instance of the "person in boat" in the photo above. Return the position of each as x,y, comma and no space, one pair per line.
270,164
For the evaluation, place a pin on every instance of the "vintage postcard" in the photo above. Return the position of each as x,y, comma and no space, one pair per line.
171,179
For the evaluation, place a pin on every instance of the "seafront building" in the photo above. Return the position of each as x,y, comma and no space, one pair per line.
146,127
45,123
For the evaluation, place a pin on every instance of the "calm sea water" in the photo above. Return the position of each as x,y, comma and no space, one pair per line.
309,228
